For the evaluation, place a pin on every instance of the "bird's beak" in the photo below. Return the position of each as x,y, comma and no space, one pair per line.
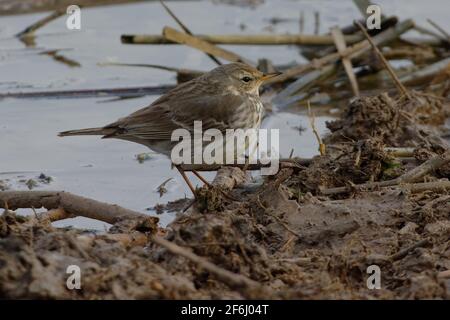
268,76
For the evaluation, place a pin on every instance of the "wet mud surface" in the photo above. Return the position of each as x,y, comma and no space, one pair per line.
285,239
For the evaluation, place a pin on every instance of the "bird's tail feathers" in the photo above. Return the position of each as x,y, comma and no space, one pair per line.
87,132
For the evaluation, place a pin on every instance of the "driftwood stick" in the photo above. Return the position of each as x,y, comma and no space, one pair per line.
183,74
72,204
354,51
155,66
440,29
424,186
346,62
404,252
386,63
185,29
89,93
135,238
286,97
241,39
429,32
426,167
29,31
409,177
235,281
202,45
426,73
284,163
55,215
400,152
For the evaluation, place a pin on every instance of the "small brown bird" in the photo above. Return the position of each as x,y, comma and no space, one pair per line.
227,97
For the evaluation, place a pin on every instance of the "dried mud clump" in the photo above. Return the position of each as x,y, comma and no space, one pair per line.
363,161
34,258
398,123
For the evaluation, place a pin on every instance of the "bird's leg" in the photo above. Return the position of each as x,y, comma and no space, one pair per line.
201,178
186,179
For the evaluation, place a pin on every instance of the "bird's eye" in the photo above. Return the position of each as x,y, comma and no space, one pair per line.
246,79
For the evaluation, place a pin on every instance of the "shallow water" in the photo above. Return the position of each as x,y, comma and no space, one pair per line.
107,170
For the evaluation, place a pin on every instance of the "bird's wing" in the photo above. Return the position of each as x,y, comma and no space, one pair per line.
159,120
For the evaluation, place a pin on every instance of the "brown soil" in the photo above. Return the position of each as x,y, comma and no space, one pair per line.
288,238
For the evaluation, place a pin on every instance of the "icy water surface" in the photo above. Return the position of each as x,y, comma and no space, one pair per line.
107,170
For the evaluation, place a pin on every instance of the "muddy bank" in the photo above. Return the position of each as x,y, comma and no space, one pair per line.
289,238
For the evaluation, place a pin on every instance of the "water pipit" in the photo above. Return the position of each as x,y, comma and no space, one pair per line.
227,97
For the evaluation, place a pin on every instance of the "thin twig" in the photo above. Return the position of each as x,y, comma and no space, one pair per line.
279,220
312,121
235,281
202,45
185,29
386,63
301,22
346,62
439,28
284,163
29,31
354,51
404,252
316,22
88,93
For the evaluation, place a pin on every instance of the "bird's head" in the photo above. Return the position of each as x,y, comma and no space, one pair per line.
242,78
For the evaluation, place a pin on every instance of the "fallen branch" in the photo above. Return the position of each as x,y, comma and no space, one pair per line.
89,93
425,168
354,51
423,30
71,204
249,287
202,45
284,163
440,29
301,85
55,215
426,73
185,29
183,74
404,252
386,63
29,31
341,45
250,39
400,152
425,186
